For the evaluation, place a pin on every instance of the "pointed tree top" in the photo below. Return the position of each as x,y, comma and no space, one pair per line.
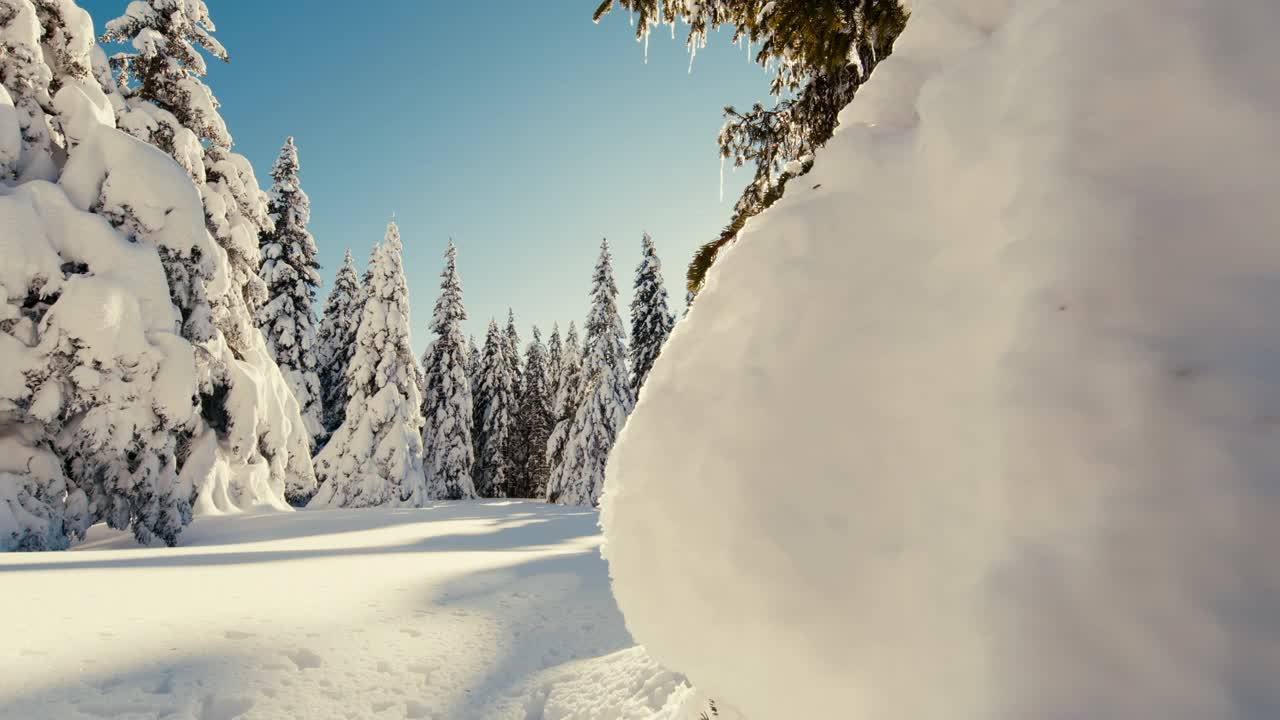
606,258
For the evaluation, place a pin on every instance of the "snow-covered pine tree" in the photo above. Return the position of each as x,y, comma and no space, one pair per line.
555,365
512,337
99,383
249,416
606,398
291,273
532,426
336,343
447,407
651,320
564,404
167,103
475,366
375,457
495,407
28,150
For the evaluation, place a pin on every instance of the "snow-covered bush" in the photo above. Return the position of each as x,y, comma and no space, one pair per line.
979,422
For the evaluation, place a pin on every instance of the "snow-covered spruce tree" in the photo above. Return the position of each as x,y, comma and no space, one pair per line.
250,419
336,343
651,320
475,366
605,400
564,404
27,153
555,366
495,408
96,381
532,428
291,273
512,337
375,457
447,408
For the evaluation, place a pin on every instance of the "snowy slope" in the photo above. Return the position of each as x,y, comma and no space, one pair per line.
468,610
980,421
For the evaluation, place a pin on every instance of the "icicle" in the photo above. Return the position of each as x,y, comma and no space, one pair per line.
646,47
721,178
693,53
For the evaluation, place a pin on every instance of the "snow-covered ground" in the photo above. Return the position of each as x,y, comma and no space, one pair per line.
463,610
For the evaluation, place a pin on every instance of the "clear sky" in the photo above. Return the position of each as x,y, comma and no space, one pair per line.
520,129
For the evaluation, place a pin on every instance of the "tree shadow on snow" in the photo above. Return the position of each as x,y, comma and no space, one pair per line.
559,609
503,534
213,687
272,526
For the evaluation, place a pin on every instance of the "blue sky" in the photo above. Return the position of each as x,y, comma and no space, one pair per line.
522,130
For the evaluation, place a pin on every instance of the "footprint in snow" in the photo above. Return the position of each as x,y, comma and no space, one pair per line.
303,658
216,708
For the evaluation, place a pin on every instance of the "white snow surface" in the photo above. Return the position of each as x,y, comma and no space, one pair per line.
980,421
460,611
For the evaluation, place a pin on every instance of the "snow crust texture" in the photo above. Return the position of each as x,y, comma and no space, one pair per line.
981,421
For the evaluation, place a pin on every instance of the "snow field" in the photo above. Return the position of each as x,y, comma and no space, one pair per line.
469,610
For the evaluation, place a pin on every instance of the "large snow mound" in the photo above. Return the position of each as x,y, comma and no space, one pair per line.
980,422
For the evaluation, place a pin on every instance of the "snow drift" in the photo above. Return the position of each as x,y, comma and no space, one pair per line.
980,422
